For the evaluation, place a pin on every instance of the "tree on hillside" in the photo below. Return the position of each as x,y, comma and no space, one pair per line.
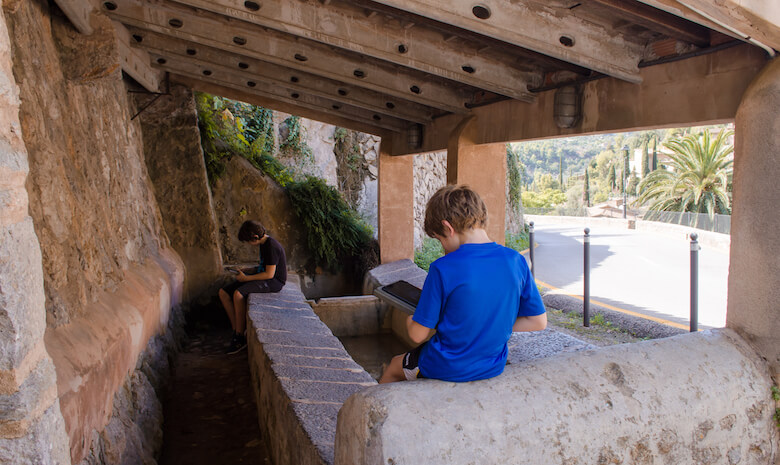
586,190
633,183
560,170
655,156
612,178
645,162
699,179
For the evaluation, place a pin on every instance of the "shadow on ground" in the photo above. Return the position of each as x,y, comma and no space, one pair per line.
210,412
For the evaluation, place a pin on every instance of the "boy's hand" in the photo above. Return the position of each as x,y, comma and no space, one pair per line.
241,276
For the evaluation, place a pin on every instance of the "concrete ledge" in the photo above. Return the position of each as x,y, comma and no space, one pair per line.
301,374
351,315
694,398
389,273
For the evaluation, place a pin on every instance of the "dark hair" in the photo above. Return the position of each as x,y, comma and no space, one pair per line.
459,205
251,230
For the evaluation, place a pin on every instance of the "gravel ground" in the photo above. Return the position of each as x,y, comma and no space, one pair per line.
607,327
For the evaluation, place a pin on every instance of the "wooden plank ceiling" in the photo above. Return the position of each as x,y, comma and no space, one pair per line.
389,64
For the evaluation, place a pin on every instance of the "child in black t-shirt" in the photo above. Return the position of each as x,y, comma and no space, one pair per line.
270,276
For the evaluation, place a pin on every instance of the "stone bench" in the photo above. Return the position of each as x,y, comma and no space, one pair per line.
301,375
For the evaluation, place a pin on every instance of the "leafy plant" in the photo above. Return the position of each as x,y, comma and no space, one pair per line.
430,250
514,178
224,135
518,242
295,144
699,179
334,232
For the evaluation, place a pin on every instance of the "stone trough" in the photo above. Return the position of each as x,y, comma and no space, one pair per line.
302,374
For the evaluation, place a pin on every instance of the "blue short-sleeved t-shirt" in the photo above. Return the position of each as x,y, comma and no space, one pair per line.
472,297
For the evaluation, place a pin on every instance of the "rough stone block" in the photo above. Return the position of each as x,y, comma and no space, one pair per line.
345,375
320,422
298,339
275,350
12,159
22,306
540,344
343,363
646,403
44,443
320,391
289,322
38,390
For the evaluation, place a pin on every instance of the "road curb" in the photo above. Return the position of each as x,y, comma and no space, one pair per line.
636,326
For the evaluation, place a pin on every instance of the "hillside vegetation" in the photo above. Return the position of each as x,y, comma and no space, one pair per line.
566,175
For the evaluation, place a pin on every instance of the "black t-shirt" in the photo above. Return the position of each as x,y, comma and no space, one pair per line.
272,253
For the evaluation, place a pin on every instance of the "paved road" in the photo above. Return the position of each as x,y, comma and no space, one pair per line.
636,271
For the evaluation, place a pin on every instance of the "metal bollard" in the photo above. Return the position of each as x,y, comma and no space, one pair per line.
531,246
694,282
586,276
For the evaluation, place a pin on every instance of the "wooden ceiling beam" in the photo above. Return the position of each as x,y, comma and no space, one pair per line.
78,13
537,27
198,84
253,69
660,21
754,21
346,26
136,62
220,76
251,40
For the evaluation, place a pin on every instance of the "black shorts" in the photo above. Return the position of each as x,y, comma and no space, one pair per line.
410,363
253,287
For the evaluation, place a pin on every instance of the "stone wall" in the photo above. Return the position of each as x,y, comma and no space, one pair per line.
90,199
174,159
32,430
243,193
430,173
109,275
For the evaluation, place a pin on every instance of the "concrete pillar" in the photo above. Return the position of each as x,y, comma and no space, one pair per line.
483,168
395,204
754,273
31,425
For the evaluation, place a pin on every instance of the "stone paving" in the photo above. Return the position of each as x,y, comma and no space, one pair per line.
210,416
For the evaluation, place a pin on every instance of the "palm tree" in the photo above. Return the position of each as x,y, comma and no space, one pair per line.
698,181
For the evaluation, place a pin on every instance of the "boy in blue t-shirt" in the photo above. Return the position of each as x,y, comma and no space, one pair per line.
475,296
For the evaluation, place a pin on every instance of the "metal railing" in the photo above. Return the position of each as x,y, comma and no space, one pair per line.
716,223
694,270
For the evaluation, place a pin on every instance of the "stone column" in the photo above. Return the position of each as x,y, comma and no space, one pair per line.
395,204
483,168
754,273
174,159
32,430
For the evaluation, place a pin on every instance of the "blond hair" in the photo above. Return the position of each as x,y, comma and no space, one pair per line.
459,205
